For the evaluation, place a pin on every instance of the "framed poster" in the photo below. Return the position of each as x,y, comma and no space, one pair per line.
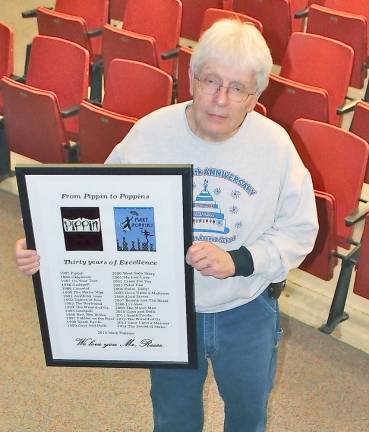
113,289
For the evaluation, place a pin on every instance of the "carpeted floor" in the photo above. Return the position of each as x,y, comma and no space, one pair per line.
322,384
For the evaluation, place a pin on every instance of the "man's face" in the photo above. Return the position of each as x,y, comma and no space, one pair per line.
216,117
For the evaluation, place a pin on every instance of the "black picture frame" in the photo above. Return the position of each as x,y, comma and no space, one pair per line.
31,201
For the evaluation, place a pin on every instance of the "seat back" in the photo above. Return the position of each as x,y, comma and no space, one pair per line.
63,26
287,100
183,80
361,284
6,54
6,50
95,14
62,67
211,15
321,62
116,9
345,27
321,261
192,16
336,160
120,43
100,131
360,126
135,89
357,7
159,19
34,127
277,17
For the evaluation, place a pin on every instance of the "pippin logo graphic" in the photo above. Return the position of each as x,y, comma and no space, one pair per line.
82,228
135,229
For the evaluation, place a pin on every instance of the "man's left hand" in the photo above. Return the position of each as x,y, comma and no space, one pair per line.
210,260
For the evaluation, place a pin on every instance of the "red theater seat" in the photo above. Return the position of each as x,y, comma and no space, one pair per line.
348,28
69,80
277,17
193,12
100,131
6,54
360,126
135,89
305,51
322,260
158,19
34,127
288,100
211,15
337,161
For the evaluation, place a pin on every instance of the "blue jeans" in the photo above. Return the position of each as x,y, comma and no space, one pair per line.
242,346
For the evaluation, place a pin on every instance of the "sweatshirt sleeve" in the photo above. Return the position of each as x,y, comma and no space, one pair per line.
291,237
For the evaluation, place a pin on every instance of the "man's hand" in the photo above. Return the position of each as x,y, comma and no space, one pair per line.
210,260
27,260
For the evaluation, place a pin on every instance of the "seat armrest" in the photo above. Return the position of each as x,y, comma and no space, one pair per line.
302,13
94,102
95,32
357,216
21,79
166,55
70,111
31,13
343,109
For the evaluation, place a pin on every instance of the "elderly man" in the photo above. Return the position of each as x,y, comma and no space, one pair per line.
254,219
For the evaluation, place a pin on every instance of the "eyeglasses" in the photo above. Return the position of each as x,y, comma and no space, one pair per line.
211,86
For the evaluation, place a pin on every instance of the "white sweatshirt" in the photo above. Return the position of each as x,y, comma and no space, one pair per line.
250,190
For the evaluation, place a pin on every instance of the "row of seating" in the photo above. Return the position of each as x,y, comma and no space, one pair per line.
42,104
70,87
79,23
297,89
138,40
309,89
280,18
301,88
277,16
147,38
336,160
144,34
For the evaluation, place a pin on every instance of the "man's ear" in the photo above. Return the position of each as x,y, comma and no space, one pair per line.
190,77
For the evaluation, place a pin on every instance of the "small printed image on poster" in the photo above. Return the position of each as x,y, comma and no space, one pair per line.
82,228
135,229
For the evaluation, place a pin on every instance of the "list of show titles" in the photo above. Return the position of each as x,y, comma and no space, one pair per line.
136,305
117,310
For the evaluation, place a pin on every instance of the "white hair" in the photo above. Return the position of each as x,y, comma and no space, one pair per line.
237,44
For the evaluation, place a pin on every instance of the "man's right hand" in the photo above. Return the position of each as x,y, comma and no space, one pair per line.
27,260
